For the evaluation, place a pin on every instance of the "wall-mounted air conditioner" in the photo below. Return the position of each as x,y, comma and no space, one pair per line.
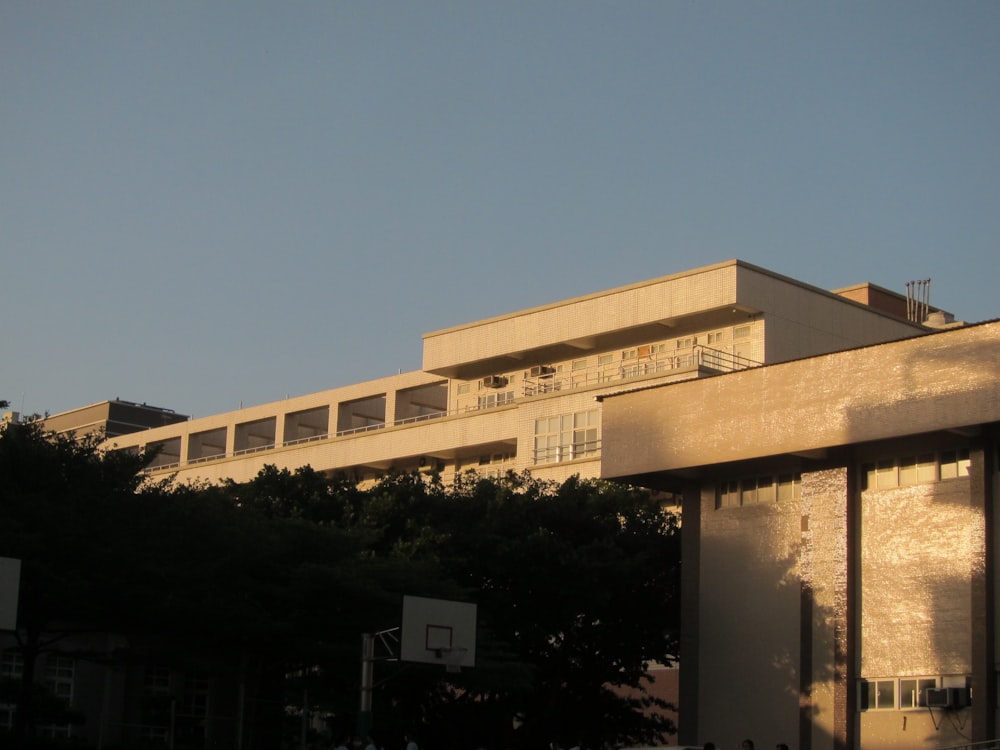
539,370
494,381
950,697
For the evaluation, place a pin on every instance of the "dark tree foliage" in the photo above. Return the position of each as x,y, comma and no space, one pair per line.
182,572
272,582
58,497
577,587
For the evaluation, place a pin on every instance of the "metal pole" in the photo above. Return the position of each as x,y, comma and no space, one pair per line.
305,718
367,674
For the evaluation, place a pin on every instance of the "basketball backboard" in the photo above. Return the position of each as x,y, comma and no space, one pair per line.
438,631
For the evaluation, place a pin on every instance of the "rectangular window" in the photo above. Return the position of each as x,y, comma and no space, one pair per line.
954,464
463,388
758,490
912,691
911,470
59,675
496,399
729,495
886,474
789,488
59,672
195,701
686,342
579,364
765,490
605,359
154,735
11,668
715,338
881,695
567,436
157,679
741,332
11,665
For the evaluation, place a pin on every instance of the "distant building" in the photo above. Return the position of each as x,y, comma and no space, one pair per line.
112,419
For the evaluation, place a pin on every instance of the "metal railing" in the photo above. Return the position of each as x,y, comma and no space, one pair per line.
658,364
986,745
655,364
566,452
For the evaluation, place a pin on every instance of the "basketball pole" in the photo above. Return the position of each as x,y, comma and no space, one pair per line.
367,672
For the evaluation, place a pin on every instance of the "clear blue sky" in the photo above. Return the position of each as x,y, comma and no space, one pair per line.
208,203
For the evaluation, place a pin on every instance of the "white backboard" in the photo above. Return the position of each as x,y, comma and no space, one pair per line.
10,583
438,631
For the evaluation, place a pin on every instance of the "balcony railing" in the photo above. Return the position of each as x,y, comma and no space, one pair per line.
661,364
567,452
657,364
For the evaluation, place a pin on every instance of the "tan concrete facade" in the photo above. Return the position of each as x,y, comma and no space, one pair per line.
839,553
520,391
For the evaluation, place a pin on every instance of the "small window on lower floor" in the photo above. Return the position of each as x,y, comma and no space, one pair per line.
912,691
881,695
954,464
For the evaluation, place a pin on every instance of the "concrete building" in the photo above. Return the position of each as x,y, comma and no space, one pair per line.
519,391
838,543
835,456
112,419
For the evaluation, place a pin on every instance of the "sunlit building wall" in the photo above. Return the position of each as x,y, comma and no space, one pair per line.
839,570
519,391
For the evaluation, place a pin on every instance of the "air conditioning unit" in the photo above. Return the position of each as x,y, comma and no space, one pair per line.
951,697
494,381
539,370
937,698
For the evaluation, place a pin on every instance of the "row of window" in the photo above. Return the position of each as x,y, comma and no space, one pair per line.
909,470
905,693
892,472
58,673
759,490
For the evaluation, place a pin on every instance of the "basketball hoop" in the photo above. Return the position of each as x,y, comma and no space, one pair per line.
452,658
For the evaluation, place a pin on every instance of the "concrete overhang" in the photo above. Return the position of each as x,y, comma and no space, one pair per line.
947,381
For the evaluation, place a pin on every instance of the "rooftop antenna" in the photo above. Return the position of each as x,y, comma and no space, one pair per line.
918,300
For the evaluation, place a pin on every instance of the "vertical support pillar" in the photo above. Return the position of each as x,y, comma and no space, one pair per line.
983,614
691,507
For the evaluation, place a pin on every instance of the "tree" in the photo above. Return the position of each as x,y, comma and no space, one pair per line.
577,587
58,495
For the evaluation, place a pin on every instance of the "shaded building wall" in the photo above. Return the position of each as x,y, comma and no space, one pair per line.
749,630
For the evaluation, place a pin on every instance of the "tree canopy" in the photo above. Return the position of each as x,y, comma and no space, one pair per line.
576,586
